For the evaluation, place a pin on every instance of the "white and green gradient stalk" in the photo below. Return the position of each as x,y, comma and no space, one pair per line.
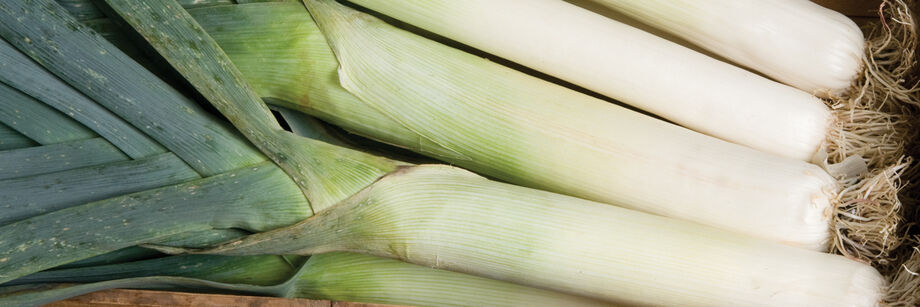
407,90
447,218
632,66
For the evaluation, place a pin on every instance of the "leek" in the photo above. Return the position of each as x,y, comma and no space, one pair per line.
433,215
137,116
333,276
214,190
297,156
800,43
447,218
796,42
132,116
664,78
479,115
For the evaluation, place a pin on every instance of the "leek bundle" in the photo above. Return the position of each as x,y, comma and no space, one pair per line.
449,218
163,215
674,82
433,215
103,119
499,122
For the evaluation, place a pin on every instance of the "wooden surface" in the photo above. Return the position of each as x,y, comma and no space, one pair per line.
119,297
860,10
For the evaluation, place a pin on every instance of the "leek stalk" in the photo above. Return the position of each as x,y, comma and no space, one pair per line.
448,218
135,116
669,80
479,115
444,217
332,276
437,216
116,98
323,184
796,42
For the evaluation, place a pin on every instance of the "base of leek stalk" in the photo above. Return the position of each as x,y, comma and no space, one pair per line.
891,58
876,113
867,215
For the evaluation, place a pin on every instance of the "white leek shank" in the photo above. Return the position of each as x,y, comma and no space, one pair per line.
797,42
500,122
633,66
